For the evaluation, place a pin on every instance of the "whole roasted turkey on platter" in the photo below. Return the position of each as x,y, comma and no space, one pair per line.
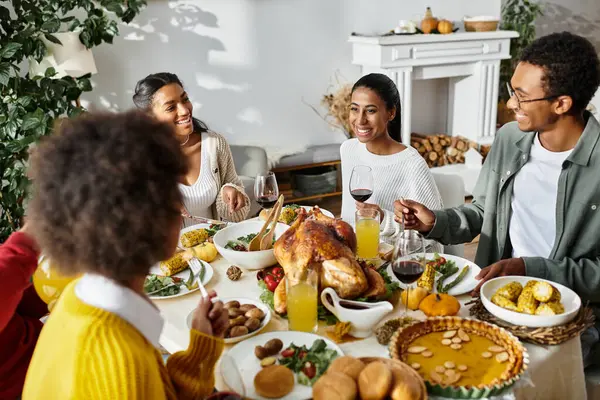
329,246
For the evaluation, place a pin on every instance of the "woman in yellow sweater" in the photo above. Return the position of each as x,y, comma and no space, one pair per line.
106,205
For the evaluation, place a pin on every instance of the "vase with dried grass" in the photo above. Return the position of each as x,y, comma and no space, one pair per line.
337,102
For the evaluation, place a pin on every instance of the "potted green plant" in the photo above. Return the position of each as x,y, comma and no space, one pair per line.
31,105
519,16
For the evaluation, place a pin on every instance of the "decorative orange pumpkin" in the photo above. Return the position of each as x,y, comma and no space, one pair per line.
445,26
429,23
439,305
413,297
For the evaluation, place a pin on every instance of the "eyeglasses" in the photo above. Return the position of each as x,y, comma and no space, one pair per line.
511,94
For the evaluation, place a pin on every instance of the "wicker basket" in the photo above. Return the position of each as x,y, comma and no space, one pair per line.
481,26
315,181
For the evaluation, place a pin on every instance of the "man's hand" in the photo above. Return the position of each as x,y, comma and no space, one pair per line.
368,206
510,266
233,198
416,215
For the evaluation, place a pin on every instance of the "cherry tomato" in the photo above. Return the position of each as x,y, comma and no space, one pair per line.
309,370
278,272
271,283
288,353
301,355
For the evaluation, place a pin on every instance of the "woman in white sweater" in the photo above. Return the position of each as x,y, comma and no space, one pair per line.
399,171
211,188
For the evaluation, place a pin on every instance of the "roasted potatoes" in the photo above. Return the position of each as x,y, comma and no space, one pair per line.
232,304
238,331
234,312
255,313
248,316
241,320
273,346
246,307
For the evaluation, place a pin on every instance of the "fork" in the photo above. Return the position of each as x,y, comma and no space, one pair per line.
196,268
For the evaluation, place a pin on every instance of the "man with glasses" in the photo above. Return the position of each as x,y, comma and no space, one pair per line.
536,205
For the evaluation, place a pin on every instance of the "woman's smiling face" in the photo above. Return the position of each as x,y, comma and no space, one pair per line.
171,104
369,116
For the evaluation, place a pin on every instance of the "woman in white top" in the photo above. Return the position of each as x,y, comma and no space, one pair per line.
211,188
398,170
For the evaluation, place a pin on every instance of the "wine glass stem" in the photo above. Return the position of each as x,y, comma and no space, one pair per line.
407,300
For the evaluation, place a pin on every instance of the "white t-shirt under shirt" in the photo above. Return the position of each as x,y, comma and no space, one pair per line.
199,197
404,174
532,228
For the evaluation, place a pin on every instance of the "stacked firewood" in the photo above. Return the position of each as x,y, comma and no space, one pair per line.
439,150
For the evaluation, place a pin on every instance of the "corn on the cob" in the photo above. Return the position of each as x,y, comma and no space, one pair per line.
555,298
527,304
427,280
503,302
192,238
288,215
510,291
530,284
173,265
553,308
542,291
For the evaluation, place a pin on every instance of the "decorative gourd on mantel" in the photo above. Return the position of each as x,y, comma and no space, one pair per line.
429,22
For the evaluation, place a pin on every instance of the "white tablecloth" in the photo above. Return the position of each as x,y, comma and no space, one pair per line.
555,372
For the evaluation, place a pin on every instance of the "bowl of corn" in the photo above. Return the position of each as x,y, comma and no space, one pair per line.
529,301
249,260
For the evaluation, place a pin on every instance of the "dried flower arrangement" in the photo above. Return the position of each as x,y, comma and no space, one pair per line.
337,101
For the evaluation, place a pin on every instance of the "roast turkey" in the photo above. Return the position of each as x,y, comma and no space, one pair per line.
326,244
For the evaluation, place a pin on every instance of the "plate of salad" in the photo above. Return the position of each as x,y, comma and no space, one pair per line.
451,274
158,286
307,355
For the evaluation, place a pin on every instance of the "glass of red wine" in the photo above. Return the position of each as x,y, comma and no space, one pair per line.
408,259
361,183
266,191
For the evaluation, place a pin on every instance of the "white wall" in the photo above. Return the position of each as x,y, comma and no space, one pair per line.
248,64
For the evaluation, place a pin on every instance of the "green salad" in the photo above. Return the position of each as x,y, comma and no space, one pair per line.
242,242
308,364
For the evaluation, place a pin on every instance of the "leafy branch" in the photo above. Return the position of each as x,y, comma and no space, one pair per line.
31,106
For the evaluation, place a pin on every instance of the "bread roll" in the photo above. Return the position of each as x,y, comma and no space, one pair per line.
405,386
334,386
347,365
274,382
375,381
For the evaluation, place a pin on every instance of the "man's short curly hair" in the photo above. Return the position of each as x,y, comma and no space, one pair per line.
106,194
571,65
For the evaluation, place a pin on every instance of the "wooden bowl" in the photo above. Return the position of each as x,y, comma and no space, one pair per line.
481,26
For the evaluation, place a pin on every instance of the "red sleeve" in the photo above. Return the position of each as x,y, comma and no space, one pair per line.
18,261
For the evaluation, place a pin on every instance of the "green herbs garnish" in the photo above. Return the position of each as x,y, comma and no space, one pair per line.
158,285
242,242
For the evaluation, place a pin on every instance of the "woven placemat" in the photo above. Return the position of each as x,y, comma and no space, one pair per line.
545,336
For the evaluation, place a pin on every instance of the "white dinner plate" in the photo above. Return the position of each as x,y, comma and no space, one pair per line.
248,365
465,286
185,274
242,301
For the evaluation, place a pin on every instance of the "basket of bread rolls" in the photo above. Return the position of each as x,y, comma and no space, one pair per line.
369,378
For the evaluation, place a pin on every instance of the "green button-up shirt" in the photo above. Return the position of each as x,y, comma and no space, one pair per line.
574,260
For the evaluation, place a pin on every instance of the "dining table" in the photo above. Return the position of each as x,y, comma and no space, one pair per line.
554,372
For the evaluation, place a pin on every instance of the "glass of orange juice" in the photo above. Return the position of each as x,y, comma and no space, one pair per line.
302,295
367,233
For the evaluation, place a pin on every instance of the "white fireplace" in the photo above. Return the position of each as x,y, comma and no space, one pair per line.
469,60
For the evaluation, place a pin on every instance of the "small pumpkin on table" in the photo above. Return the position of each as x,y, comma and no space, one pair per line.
439,305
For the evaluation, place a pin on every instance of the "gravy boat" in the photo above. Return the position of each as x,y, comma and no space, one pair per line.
362,316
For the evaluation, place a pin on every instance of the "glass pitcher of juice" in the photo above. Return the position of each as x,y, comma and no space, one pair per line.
367,233
48,282
302,295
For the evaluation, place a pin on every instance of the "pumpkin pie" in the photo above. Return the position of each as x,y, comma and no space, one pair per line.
460,358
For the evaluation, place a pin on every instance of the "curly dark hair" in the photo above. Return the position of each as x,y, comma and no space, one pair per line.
106,194
571,65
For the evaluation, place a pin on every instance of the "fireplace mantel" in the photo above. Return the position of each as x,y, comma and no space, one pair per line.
471,61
